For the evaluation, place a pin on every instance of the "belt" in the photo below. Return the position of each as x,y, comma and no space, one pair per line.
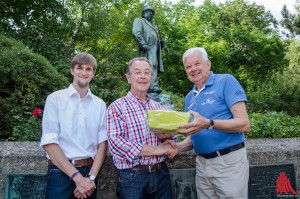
78,163
223,151
149,168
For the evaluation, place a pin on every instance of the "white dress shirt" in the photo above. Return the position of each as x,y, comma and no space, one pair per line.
76,125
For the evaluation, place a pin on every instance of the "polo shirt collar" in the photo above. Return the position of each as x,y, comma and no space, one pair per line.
209,82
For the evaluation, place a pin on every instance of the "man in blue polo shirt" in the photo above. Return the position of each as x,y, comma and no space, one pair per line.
218,105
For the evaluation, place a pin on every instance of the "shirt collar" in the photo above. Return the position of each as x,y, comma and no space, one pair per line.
72,91
209,82
137,100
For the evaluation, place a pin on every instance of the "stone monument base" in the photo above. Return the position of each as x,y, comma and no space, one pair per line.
29,158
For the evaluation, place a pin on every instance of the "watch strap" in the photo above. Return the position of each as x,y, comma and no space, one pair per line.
211,124
91,177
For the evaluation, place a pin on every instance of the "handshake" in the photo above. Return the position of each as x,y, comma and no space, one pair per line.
168,148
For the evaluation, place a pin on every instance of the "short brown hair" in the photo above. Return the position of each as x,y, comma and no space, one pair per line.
84,58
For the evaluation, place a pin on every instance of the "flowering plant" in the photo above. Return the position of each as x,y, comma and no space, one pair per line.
37,112
28,128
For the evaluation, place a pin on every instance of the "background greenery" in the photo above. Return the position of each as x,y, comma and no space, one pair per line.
242,39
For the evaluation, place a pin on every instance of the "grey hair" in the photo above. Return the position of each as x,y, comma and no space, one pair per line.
191,51
128,69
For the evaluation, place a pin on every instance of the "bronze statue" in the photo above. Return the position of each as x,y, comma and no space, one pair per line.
149,44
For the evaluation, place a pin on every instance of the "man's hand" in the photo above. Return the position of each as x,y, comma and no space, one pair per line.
162,149
174,149
193,127
84,187
164,136
167,148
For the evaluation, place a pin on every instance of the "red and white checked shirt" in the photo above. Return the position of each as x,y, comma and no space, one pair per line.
128,131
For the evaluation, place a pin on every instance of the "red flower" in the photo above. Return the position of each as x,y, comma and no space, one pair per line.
37,112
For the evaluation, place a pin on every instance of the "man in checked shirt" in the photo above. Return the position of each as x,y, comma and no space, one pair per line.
138,153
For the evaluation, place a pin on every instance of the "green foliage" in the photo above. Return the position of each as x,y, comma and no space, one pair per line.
26,128
110,82
42,25
293,55
291,21
277,94
178,100
26,79
281,91
273,125
103,28
237,36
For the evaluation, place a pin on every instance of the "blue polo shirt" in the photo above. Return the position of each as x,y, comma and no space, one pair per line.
221,91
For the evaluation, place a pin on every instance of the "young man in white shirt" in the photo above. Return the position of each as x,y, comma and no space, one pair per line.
74,134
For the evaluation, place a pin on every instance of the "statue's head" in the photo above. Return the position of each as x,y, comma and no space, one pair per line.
148,12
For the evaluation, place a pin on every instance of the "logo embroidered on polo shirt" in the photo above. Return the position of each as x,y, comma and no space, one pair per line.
209,93
208,101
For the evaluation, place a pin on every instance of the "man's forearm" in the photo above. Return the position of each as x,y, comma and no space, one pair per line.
99,158
154,150
58,158
185,145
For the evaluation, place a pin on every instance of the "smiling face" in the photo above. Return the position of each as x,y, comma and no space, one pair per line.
140,78
82,75
197,69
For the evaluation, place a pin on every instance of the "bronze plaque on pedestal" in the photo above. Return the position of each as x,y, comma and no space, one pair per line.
25,186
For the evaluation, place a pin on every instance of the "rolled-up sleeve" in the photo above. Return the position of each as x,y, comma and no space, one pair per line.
50,122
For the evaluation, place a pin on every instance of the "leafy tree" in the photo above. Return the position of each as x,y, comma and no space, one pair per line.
42,25
291,21
281,91
293,55
175,32
107,35
237,36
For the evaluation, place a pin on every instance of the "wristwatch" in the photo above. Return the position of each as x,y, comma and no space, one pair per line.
91,177
211,124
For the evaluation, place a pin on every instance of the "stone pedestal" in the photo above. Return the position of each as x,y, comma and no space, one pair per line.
29,158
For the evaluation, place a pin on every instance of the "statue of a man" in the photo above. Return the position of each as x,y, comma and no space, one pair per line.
150,46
